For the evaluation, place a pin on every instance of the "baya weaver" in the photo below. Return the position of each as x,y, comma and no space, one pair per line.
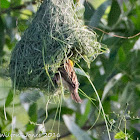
69,79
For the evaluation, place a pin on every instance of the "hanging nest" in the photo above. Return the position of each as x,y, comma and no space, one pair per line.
55,34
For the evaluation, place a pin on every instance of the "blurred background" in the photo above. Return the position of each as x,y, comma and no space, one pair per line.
116,76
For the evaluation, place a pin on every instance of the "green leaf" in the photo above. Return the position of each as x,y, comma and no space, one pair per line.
80,72
75,129
96,3
89,10
136,18
29,127
22,117
114,13
75,1
83,118
52,111
120,135
95,19
122,55
2,115
124,98
9,98
25,14
5,86
111,84
33,112
136,46
16,2
10,22
4,4
30,96
2,39
80,11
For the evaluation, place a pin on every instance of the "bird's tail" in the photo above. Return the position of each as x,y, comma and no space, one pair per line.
75,96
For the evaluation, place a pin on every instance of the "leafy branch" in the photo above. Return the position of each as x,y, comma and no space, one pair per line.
19,7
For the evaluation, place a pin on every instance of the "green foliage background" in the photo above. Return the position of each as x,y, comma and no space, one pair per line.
116,76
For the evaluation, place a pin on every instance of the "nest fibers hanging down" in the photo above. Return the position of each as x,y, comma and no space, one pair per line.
54,35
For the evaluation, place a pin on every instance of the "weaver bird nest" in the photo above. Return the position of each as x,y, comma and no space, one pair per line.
54,35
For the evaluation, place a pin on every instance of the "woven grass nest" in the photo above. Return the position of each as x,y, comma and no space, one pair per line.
54,35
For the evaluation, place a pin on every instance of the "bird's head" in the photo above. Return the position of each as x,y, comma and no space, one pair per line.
71,63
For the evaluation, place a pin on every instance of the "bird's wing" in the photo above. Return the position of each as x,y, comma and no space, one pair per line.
66,77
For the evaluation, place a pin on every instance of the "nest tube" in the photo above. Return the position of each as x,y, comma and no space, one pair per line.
54,35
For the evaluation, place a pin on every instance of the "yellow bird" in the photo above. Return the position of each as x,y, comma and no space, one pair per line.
69,79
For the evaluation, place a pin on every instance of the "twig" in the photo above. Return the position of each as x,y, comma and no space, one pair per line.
129,37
